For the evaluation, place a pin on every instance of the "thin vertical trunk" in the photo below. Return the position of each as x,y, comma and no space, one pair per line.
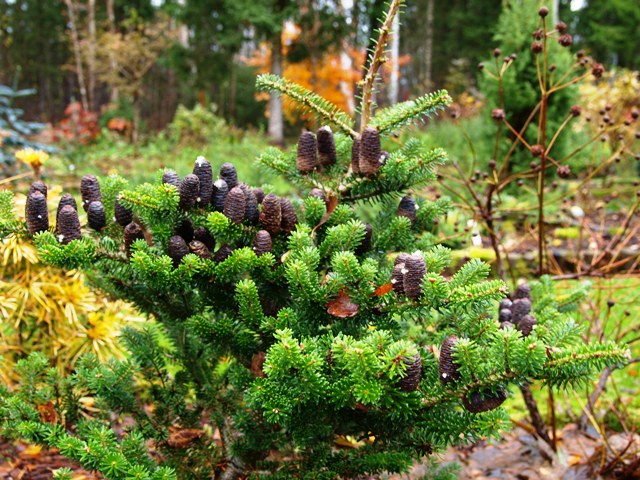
555,11
77,53
428,57
233,87
276,114
113,64
91,57
394,84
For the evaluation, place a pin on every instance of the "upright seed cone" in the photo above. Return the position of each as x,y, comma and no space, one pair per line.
447,368
289,217
408,208
365,245
251,213
219,195
38,186
223,253
262,243
36,213
526,324
397,276
326,147
370,151
271,214
185,230
90,190
124,215
202,234
520,308
68,224
171,177
259,193
355,155
189,191
235,205
229,174
523,291
483,401
202,170
200,249
415,270
413,374
306,158
96,216
177,249
66,199
132,232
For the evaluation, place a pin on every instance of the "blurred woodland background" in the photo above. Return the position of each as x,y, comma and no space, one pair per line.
188,52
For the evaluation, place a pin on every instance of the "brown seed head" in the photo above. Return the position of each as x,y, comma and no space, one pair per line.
326,147
447,367
189,190
96,216
90,190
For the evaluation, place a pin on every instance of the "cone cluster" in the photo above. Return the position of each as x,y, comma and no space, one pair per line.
517,312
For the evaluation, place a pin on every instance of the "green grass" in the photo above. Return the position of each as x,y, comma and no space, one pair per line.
141,163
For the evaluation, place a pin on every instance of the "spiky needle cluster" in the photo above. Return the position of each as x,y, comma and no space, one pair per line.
289,325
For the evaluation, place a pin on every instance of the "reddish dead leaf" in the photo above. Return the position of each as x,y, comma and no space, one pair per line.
342,306
183,437
383,289
47,412
257,361
332,203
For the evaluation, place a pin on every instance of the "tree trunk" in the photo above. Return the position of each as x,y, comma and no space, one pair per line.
78,54
276,115
111,17
91,57
428,46
394,83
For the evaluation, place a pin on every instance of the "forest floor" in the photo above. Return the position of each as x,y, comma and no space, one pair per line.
519,456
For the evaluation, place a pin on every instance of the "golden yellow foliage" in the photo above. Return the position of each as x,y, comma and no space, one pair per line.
52,311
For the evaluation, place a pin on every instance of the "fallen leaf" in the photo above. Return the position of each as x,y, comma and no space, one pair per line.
47,412
332,203
183,437
383,289
257,361
342,306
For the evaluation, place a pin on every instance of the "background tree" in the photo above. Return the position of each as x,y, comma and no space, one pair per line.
608,29
135,51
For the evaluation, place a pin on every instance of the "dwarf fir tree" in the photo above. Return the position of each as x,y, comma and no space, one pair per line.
295,338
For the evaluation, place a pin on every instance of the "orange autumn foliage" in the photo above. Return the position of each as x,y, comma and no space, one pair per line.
334,76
